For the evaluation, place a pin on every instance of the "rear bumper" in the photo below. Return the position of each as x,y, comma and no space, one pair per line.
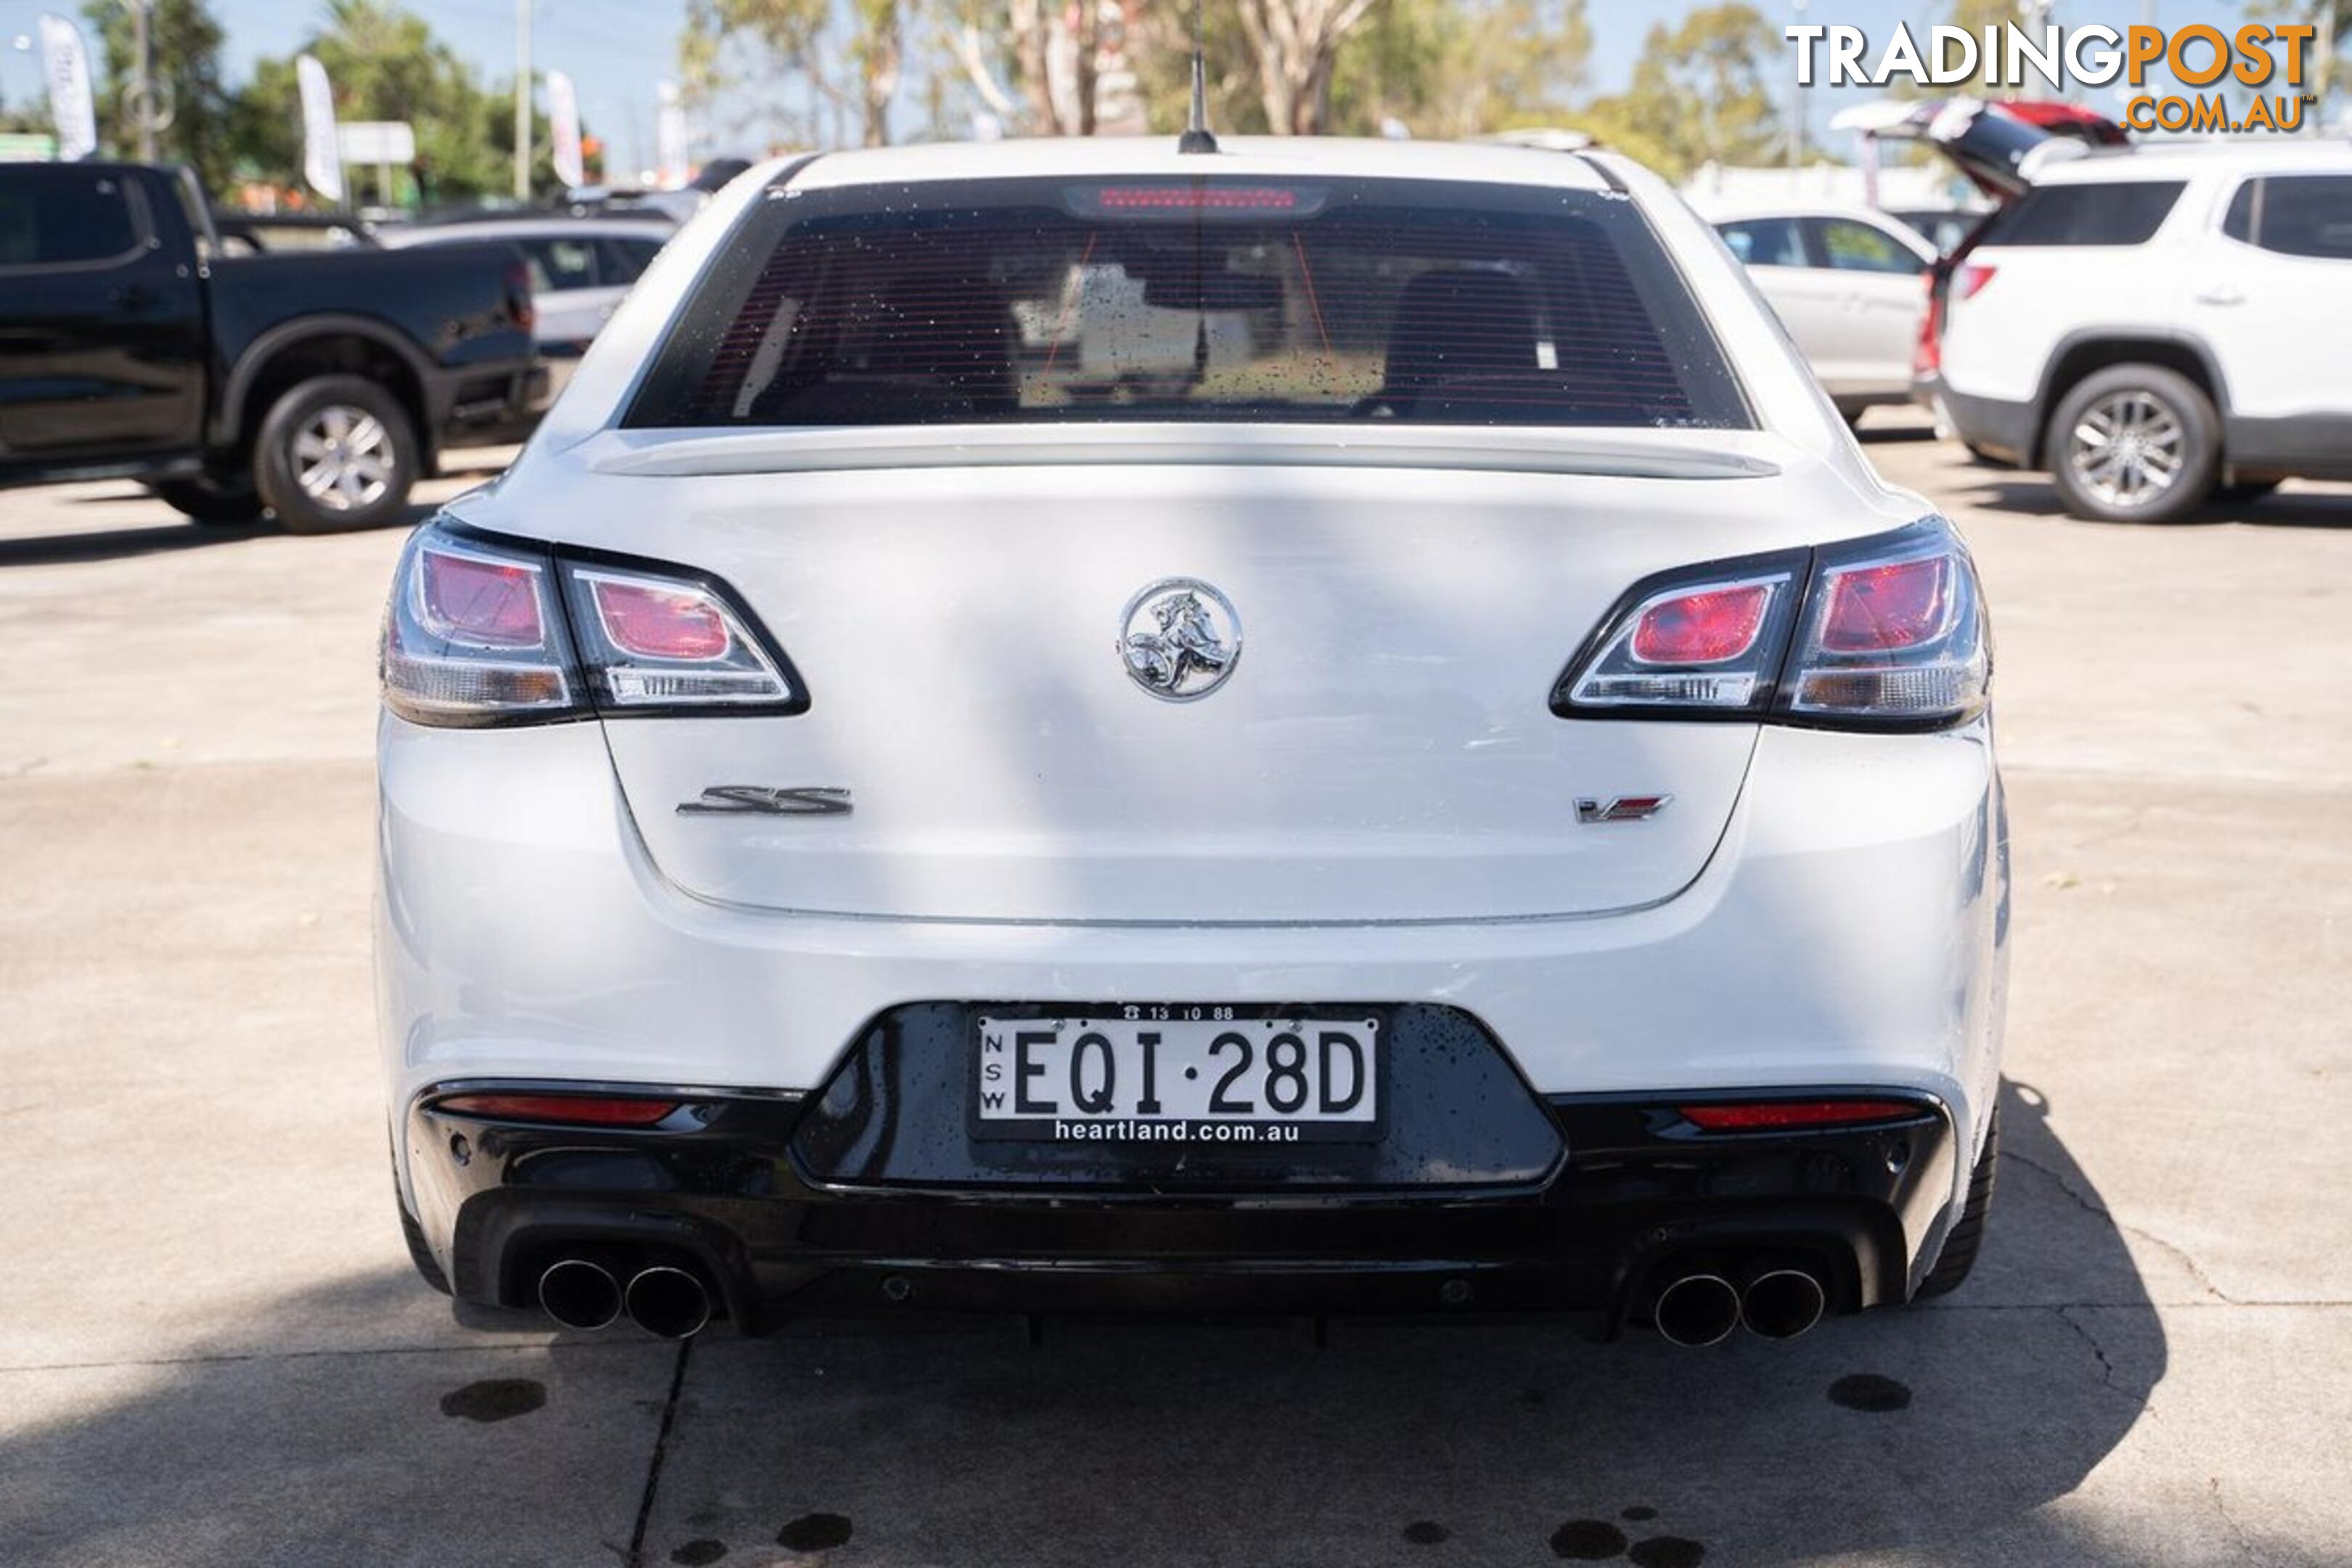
1996,427
1849,930
1635,1192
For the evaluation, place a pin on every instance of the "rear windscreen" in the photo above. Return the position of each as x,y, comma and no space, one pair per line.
2127,213
1201,299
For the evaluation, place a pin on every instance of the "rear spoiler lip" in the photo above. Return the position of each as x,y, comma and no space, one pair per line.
1657,454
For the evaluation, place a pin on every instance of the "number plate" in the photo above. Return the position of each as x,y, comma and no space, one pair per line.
1219,1075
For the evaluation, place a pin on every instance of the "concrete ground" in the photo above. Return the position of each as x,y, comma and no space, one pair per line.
212,1349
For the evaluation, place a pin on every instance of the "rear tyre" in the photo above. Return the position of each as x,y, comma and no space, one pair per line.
334,454
2133,443
1961,1247
209,501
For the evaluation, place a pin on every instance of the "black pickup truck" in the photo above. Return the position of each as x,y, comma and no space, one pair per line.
319,386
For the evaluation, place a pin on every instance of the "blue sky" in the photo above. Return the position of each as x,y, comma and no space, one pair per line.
616,49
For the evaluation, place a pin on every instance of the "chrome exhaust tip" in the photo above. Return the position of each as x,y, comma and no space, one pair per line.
1697,1309
579,1294
1782,1303
668,1301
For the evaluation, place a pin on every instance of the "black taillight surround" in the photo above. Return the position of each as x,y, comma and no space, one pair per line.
1773,701
589,698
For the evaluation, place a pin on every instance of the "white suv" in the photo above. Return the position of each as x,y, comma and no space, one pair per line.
1460,789
2151,324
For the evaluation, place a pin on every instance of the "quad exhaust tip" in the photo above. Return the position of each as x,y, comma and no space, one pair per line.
1782,1303
1697,1309
668,1301
579,1294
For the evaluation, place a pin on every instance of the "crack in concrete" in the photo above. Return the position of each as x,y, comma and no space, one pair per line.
636,1553
2245,1542
2091,1205
2106,1367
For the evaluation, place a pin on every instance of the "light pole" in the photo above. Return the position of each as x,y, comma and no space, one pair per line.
1796,112
522,100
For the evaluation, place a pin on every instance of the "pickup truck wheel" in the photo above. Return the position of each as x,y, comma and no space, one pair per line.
210,502
336,453
2133,443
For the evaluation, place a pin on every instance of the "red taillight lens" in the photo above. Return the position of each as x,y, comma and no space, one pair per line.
1890,634
660,623
651,642
1702,628
490,604
1878,609
522,303
1797,1113
571,1109
1970,280
1927,354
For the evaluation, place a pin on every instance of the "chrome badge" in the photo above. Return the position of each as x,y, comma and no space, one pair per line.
760,800
1621,808
1180,640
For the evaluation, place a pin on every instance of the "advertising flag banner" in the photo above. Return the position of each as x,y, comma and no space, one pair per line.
323,159
563,117
66,65
669,138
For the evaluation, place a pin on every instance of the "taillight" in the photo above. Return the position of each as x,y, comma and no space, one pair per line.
522,303
1970,280
1927,354
473,635
1695,643
477,634
652,642
1882,633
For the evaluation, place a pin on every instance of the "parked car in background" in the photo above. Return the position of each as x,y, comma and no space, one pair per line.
580,269
319,386
2153,324
841,850
254,234
1847,282
1945,228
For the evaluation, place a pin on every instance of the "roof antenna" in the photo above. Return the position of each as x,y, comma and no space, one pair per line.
1196,137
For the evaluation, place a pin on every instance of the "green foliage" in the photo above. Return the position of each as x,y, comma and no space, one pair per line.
1701,93
185,41
1460,68
848,55
384,63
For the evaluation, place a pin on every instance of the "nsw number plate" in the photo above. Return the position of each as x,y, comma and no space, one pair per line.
1179,1075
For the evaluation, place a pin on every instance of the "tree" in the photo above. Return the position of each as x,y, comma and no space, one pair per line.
1451,68
1699,94
185,41
1297,43
385,64
852,68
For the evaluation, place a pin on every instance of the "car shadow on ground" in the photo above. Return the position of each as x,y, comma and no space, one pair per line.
1942,1431
156,538
2028,495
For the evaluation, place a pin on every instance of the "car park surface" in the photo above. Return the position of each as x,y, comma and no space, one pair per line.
216,1351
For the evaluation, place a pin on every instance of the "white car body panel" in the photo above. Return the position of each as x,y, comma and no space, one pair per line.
1856,329
1377,806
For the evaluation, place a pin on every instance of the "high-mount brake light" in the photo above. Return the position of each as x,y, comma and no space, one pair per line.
1197,198
1778,1116
477,634
1881,633
565,1108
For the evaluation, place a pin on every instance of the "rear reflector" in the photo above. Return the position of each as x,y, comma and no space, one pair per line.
573,1109
1797,1113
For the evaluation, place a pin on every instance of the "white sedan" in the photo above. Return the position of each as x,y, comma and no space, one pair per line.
1849,283
1464,793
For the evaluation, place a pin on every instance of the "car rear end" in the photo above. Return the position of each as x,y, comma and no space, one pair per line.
1459,791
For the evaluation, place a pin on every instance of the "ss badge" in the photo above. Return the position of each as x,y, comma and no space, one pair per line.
1618,808
760,800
